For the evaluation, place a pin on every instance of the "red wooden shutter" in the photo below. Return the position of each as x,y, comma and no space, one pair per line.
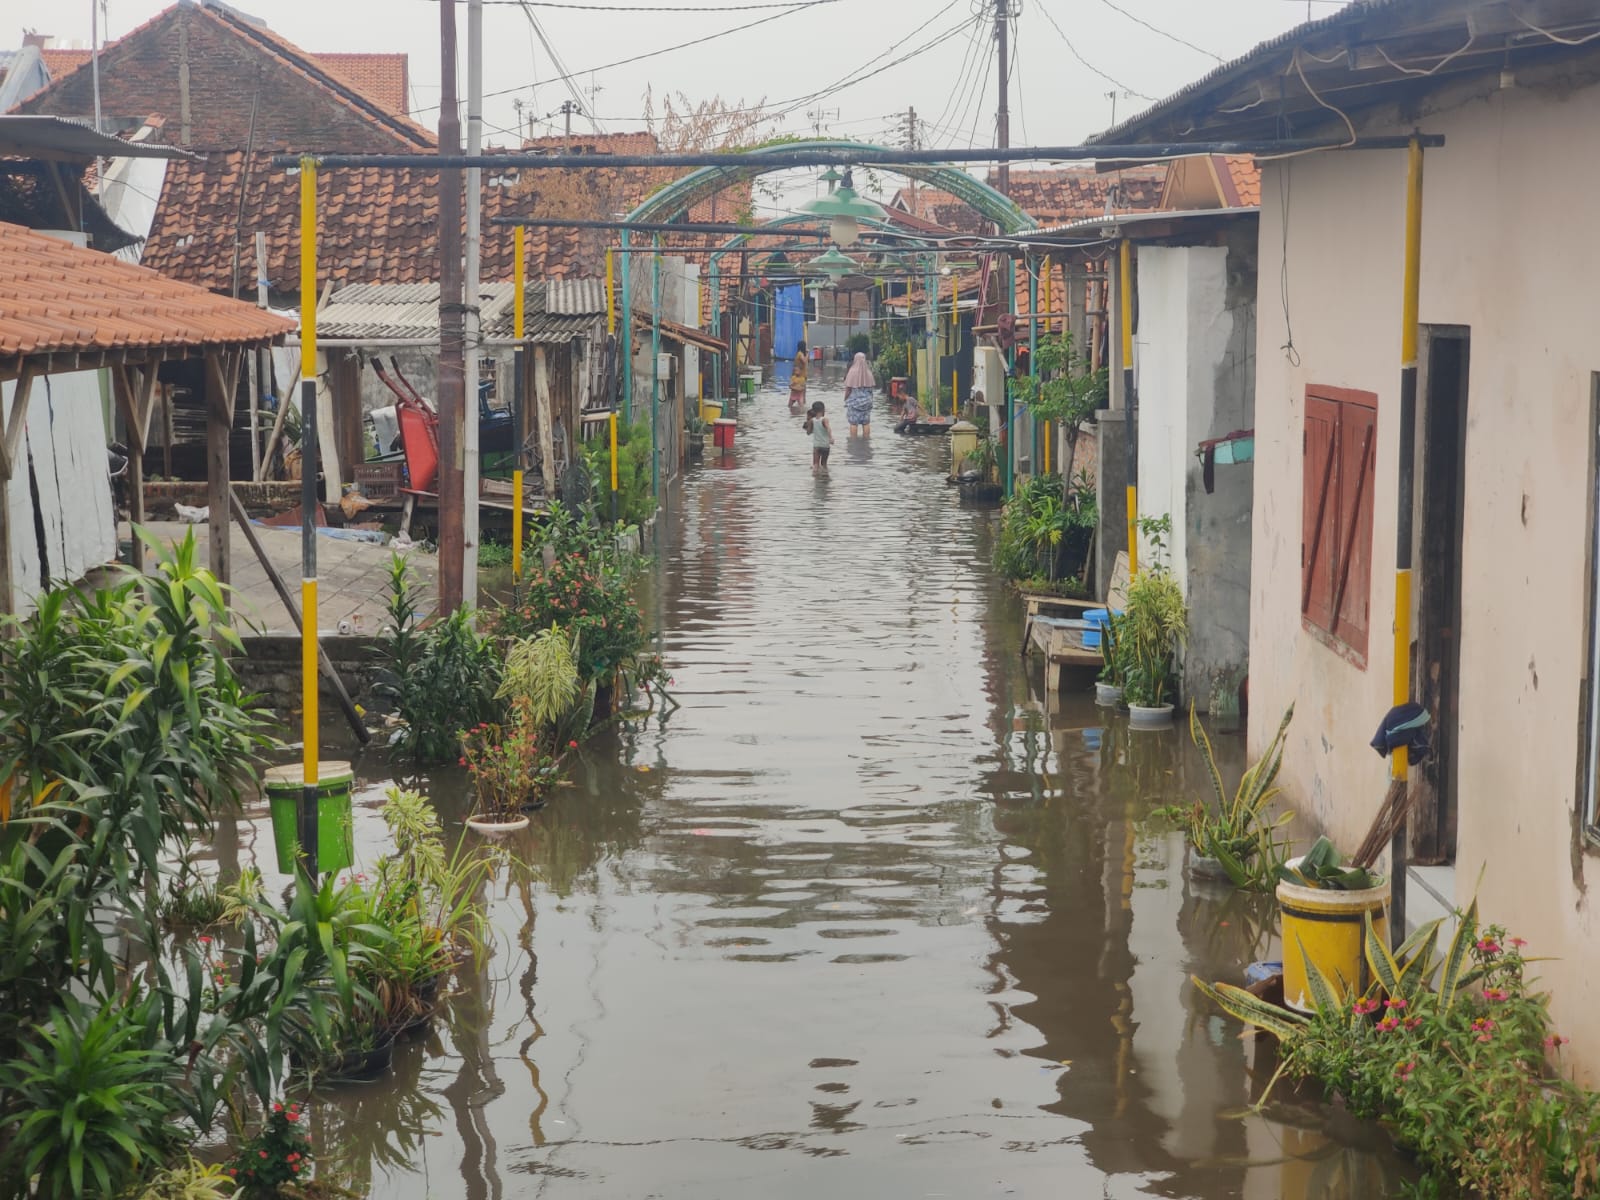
1319,546
1357,473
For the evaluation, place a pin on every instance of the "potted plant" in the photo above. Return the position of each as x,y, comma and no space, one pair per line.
1108,686
1235,838
1325,905
1151,629
697,435
513,768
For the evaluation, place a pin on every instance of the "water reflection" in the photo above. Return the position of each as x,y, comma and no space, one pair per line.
870,914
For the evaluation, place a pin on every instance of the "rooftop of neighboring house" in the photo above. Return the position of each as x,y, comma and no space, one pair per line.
381,226
940,207
58,299
1054,195
225,81
1376,58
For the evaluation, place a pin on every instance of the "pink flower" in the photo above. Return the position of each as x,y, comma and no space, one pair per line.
1488,946
1555,1040
1413,1022
262,1153
1388,1024
1363,1007
1394,1003
1495,994
1405,1069
1518,943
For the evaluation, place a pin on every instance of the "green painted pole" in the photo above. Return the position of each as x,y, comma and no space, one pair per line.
1033,355
626,343
716,328
655,372
1011,365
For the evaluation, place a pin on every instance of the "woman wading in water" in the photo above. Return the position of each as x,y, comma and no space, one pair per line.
858,388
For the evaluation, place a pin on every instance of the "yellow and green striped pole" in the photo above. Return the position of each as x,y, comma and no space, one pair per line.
309,732
518,320
1400,759
1129,400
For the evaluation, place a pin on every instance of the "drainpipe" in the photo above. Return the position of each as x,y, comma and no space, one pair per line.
1130,401
1400,759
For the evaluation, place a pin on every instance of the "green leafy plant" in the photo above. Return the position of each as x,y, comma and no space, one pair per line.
513,765
542,670
1043,525
88,1100
1323,866
1460,1071
1066,390
1149,633
190,1179
441,677
635,497
279,1154
1236,828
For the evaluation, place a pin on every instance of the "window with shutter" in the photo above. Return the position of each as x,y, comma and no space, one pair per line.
1336,537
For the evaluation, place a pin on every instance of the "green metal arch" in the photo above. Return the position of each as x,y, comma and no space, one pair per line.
738,239
682,194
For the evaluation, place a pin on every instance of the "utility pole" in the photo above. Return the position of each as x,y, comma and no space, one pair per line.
913,143
1002,121
452,369
470,487
568,107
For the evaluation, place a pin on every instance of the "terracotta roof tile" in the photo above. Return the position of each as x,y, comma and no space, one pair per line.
59,61
940,207
1246,178
56,297
384,78
375,226
1054,195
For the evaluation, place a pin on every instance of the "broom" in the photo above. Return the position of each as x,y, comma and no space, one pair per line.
1390,817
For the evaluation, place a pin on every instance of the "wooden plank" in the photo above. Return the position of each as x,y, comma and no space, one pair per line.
19,410
541,402
219,430
1117,593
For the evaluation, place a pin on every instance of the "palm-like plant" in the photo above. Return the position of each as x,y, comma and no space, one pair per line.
1236,829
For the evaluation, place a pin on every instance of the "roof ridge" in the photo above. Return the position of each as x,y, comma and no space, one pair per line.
305,61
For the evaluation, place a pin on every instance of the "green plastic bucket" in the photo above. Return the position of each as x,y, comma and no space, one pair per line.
284,787
748,381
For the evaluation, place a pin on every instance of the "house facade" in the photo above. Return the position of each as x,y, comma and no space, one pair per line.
1506,577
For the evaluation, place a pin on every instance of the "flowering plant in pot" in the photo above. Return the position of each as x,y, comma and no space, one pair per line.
513,767
280,1153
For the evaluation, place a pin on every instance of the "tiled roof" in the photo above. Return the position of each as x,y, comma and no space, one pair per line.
231,61
1053,195
637,142
1245,177
384,78
940,207
29,198
59,62
57,298
374,225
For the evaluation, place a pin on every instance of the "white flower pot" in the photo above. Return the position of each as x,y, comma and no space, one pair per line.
1140,717
1108,694
496,828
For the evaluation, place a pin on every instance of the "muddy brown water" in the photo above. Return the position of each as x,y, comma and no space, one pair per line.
870,915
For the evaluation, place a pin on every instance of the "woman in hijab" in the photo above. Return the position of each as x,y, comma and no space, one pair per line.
858,388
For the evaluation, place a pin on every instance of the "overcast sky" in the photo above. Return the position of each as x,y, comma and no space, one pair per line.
1134,48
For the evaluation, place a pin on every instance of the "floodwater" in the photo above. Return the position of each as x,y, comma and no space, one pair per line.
868,916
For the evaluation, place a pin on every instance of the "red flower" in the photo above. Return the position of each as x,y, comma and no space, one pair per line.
262,1153
292,1115
1394,1003
572,745
277,1108
1488,946
1364,1007
1495,994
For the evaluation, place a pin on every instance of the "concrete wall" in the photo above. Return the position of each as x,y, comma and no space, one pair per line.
72,529
1508,251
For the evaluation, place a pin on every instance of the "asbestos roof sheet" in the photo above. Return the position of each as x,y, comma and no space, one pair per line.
391,312
56,298
56,139
575,297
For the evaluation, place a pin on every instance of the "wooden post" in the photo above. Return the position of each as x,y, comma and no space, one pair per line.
327,435
541,401
345,377
135,397
10,445
222,382
263,361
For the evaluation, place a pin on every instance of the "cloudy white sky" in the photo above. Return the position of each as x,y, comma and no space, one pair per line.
849,67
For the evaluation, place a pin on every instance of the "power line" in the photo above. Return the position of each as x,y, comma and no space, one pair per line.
968,66
1116,82
1171,37
650,8
798,6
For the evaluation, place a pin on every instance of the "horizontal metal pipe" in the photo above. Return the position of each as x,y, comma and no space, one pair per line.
770,160
653,226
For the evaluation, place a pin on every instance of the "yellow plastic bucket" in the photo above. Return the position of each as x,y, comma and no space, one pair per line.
1329,928
713,411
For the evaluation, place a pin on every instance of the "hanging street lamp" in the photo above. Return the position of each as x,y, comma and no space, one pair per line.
846,211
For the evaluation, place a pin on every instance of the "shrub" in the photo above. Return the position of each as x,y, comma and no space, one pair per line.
635,498
278,1154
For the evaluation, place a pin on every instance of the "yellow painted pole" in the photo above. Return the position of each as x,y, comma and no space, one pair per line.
1400,759
1130,402
310,754
519,275
1047,440
955,392
611,303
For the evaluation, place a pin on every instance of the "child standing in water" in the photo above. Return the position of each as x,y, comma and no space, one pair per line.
821,436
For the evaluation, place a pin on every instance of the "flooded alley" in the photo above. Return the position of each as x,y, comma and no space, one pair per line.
861,918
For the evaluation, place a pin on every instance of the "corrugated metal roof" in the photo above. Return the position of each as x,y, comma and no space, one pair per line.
572,297
382,312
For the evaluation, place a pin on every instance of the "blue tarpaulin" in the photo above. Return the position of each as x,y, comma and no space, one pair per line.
788,327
